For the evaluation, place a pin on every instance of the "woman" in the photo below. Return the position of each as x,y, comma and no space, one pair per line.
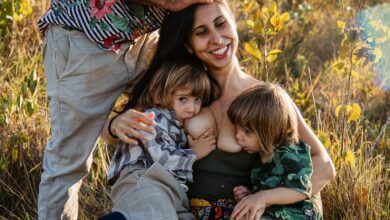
207,33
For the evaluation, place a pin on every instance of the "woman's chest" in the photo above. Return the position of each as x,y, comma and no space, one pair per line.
226,131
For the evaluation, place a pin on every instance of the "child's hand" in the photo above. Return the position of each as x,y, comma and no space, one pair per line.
240,192
204,144
250,207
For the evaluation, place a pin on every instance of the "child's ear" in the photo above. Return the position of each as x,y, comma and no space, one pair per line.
157,99
188,48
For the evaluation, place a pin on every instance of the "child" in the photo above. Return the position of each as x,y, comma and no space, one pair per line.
149,178
266,123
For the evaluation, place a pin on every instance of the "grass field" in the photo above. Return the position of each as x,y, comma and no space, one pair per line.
333,57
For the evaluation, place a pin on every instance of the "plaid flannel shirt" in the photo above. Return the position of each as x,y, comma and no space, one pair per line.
168,147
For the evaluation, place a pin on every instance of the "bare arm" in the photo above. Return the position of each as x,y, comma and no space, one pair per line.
171,5
282,196
251,205
323,168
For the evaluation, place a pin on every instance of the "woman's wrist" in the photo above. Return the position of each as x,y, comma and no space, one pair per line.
263,196
112,134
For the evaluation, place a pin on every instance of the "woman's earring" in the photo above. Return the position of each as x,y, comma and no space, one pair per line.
188,49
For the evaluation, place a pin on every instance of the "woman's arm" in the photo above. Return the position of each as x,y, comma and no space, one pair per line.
323,168
252,204
127,126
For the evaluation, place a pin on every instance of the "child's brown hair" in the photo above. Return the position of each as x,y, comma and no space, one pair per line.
266,110
172,77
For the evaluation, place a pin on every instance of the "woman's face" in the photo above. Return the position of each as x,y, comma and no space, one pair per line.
214,37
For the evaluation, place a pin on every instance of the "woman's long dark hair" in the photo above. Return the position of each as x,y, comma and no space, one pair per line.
171,48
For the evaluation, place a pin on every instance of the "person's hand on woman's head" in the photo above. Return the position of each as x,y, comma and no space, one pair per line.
128,126
204,144
172,5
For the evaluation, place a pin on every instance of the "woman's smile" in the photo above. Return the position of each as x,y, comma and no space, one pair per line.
221,53
213,38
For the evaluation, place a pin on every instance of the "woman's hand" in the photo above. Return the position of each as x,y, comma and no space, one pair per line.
250,207
128,126
204,144
240,192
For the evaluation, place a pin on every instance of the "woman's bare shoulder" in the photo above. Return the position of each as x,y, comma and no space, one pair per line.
200,123
252,81
248,81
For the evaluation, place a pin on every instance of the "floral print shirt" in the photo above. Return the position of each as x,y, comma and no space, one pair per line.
108,23
290,167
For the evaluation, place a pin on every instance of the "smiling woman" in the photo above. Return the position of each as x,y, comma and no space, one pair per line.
206,34
211,38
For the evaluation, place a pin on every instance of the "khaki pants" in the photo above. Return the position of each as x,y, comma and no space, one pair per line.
151,193
83,82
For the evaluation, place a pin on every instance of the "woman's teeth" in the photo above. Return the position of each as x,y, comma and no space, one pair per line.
220,51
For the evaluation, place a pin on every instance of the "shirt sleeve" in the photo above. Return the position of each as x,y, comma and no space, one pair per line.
298,168
163,148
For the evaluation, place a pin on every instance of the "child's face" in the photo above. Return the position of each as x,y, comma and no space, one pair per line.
247,140
185,105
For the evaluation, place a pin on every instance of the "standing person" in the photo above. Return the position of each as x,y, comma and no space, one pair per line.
266,123
85,43
207,33
149,179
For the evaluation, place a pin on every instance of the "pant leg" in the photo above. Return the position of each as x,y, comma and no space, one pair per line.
83,81
150,193
158,177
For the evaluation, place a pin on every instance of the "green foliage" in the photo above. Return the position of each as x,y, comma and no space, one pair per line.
24,99
13,11
266,23
352,111
359,49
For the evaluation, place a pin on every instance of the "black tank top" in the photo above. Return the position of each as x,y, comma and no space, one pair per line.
217,174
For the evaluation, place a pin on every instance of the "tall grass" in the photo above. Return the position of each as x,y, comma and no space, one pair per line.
310,47
24,127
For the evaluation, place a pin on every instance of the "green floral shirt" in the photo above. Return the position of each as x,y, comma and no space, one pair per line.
290,167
